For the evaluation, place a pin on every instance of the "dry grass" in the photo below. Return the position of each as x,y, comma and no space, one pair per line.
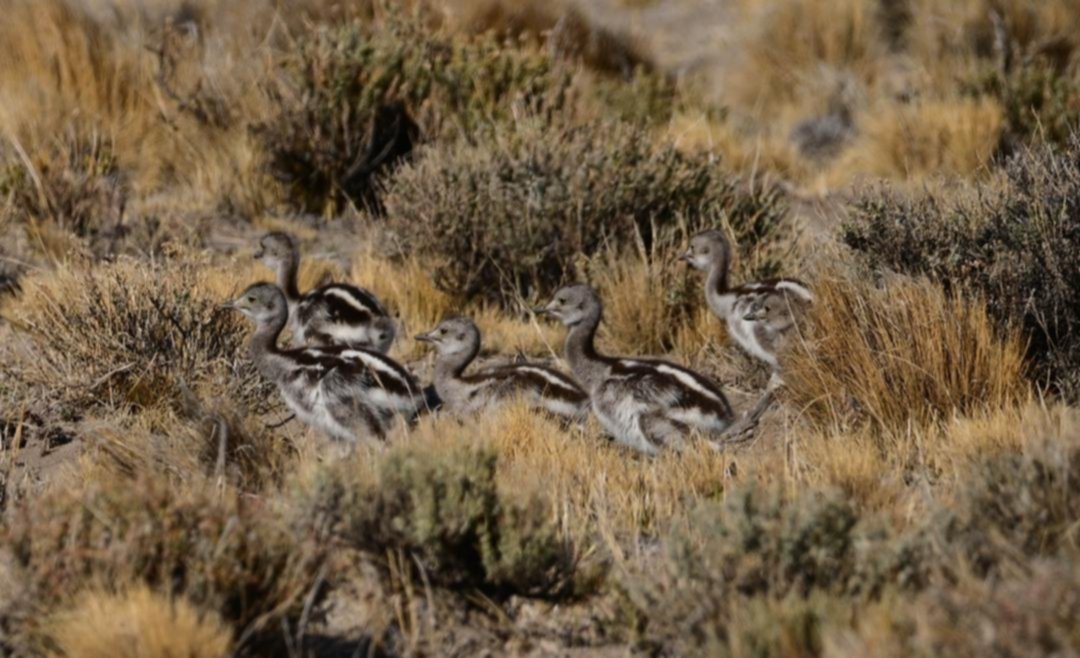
755,150
896,67
903,354
787,39
70,61
590,483
406,285
924,140
651,303
137,623
172,118
127,334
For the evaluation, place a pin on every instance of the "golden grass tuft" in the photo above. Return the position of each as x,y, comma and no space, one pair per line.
900,355
137,623
406,286
69,62
593,483
788,39
652,303
61,59
924,140
748,151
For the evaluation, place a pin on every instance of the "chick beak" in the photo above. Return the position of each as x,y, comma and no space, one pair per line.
425,338
685,257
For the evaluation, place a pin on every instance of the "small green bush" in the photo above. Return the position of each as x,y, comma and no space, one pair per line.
1030,616
444,510
509,216
763,545
183,537
754,545
1019,505
355,100
1016,248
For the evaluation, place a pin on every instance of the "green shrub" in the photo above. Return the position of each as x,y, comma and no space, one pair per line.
510,215
445,512
811,561
183,537
1030,616
1040,99
355,101
1016,248
1019,506
1026,615
764,545
753,545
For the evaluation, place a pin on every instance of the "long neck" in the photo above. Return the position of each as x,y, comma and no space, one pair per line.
587,365
447,375
450,366
287,273
716,283
263,347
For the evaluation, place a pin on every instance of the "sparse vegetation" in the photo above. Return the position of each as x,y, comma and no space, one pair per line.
74,187
912,490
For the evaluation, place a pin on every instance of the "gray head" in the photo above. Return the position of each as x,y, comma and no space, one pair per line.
574,304
382,333
262,302
276,249
454,336
706,249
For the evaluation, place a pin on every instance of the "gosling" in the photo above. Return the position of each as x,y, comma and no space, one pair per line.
457,342
349,394
645,404
334,314
710,252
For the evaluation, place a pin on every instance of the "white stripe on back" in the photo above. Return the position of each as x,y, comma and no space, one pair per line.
797,289
550,377
687,379
380,365
346,296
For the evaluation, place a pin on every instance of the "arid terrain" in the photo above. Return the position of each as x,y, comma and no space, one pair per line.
914,490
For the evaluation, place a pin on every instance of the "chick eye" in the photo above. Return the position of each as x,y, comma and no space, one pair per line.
442,331
250,298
